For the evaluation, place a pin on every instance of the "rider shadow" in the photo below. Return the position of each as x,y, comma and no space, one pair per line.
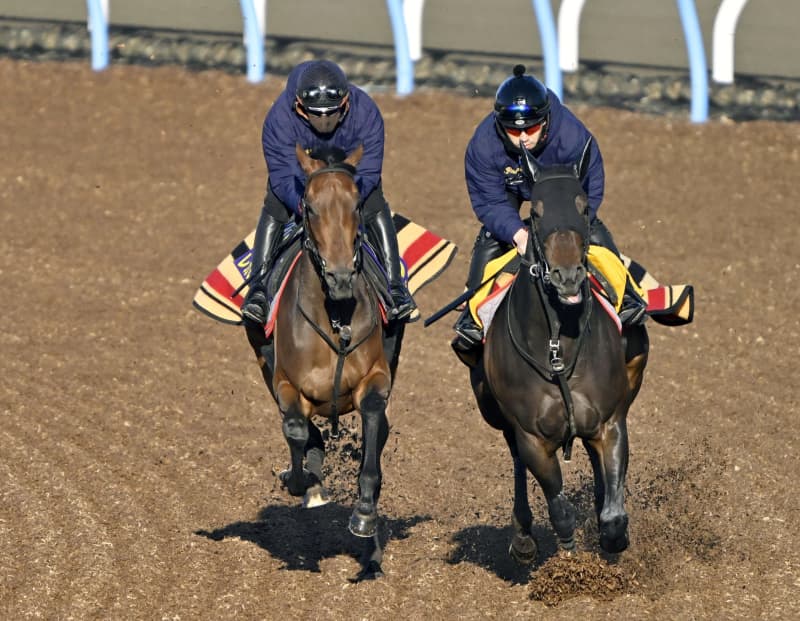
301,538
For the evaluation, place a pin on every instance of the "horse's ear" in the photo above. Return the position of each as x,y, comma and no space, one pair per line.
355,157
582,167
582,203
537,207
307,163
530,165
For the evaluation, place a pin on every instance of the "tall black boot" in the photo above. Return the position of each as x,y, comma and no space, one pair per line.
255,307
634,309
383,236
468,333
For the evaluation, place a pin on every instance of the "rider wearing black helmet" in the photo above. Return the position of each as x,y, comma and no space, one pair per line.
526,115
320,109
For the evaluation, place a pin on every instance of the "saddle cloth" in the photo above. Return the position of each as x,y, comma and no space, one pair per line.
670,305
424,256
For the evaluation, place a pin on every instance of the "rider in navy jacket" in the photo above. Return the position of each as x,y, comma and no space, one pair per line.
319,108
489,160
526,115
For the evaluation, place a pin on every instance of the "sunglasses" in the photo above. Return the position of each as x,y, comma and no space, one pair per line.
517,131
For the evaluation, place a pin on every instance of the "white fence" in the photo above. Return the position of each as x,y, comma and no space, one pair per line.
559,43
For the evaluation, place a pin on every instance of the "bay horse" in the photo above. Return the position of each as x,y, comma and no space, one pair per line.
329,352
556,365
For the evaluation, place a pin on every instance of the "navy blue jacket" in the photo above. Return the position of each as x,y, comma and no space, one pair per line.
491,171
283,128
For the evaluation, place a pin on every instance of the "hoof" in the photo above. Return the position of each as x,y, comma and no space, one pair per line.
523,549
316,496
567,545
363,525
294,486
614,535
372,571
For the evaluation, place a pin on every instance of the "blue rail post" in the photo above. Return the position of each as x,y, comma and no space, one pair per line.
405,68
697,60
254,42
98,22
547,33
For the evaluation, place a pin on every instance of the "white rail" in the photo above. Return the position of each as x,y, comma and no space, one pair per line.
723,39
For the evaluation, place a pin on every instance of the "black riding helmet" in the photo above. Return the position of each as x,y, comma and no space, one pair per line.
322,87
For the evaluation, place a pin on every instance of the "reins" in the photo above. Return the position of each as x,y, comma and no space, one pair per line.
555,370
345,346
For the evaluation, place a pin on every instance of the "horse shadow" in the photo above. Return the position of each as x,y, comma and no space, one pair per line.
301,538
487,546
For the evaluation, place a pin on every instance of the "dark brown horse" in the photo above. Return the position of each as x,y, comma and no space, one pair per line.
555,366
329,353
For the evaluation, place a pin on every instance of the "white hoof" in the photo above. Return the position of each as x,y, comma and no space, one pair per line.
316,496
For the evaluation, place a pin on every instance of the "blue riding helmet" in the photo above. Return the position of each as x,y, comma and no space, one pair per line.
521,101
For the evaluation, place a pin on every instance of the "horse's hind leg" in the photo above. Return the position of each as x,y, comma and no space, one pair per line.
375,431
316,495
544,466
523,547
371,560
295,430
609,457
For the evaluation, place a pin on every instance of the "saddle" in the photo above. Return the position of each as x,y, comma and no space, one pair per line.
286,255
669,305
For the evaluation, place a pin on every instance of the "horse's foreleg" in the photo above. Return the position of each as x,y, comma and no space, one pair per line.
611,456
375,431
543,464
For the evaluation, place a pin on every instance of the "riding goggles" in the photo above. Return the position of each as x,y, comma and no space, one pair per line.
530,130
333,98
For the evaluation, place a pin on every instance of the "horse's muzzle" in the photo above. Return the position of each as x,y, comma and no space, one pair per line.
340,284
567,280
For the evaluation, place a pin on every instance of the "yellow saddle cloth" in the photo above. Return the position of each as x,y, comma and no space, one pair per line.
671,305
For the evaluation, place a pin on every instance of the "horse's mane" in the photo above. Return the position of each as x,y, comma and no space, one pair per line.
329,154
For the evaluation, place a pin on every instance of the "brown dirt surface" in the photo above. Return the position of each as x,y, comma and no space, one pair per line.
139,447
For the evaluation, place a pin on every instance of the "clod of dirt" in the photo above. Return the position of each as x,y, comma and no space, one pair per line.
563,577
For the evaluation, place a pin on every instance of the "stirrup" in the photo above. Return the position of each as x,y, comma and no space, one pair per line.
403,305
255,308
468,334
633,313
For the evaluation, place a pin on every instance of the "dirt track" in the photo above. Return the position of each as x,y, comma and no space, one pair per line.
138,447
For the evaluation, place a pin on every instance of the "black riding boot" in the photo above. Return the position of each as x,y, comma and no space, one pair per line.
383,237
255,307
469,333
633,310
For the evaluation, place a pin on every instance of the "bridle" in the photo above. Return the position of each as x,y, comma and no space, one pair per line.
309,243
339,321
535,267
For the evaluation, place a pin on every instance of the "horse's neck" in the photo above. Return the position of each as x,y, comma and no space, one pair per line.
310,295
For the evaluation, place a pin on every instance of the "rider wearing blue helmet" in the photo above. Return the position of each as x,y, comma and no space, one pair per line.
320,109
526,115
